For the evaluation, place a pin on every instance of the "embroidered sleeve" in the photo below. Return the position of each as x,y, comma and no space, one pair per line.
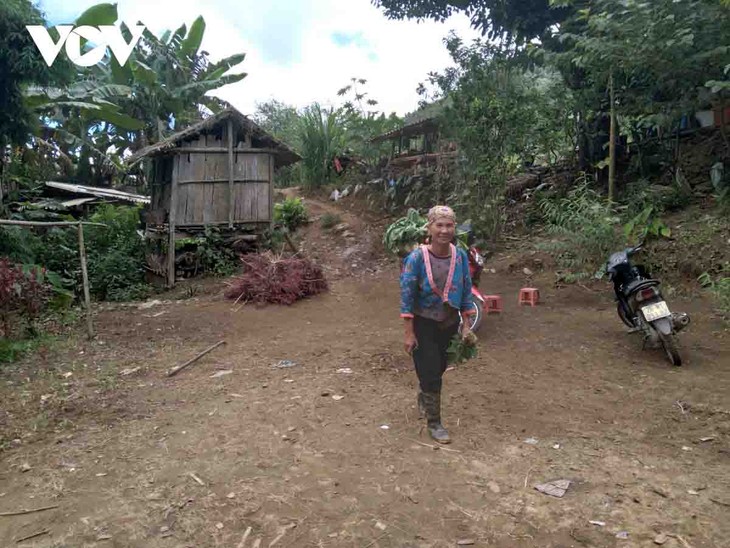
467,300
409,285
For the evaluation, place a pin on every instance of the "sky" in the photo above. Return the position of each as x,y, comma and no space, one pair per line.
300,51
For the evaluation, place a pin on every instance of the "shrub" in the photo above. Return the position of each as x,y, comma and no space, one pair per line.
291,213
646,225
23,291
330,220
213,254
136,292
719,287
273,239
587,228
116,254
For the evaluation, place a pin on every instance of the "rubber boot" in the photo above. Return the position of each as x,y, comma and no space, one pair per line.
421,406
432,402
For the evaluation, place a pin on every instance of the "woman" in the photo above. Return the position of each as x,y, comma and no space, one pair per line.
435,287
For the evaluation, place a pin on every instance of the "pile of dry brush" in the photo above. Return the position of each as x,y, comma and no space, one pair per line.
268,278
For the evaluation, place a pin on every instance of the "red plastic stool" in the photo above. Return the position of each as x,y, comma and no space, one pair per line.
529,295
493,303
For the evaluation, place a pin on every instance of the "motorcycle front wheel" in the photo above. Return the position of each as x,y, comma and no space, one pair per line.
669,342
475,319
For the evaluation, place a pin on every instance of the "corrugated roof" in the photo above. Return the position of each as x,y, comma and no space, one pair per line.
99,192
77,202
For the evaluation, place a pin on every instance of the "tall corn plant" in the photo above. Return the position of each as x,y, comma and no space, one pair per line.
321,134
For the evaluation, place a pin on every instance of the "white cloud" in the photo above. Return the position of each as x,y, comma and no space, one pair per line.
290,52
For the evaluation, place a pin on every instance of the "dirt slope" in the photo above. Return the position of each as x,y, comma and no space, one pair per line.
140,460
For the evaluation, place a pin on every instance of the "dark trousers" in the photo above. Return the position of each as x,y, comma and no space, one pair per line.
430,357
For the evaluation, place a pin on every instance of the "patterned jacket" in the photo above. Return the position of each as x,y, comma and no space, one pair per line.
417,286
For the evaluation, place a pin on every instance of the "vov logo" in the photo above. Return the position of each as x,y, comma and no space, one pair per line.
101,37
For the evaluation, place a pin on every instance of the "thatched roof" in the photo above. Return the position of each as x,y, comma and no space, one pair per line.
283,153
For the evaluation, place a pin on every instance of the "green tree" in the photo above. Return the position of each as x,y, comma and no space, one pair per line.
363,121
170,78
21,66
279,119
110,109
282,121
509,20
649,63
503,116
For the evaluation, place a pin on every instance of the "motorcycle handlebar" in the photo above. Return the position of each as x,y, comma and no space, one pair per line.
633,250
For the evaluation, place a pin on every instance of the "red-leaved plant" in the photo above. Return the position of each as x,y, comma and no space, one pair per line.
23,292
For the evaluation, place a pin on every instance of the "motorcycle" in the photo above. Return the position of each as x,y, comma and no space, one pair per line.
640,304
476,267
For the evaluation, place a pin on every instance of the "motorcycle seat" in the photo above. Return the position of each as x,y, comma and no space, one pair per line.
637,285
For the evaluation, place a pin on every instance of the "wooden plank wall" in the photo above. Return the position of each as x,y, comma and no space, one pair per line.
203,186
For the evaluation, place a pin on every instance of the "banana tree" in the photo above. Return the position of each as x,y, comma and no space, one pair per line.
170,78
81,119
85,121
113,108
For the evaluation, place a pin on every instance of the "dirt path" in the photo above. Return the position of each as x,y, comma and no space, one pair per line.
140,460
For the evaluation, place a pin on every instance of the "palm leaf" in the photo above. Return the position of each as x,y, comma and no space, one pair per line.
100,14
191,43
216,70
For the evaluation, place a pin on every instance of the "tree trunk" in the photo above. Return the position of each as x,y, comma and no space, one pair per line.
612,143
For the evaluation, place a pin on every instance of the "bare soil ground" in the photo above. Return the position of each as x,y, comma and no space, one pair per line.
131,458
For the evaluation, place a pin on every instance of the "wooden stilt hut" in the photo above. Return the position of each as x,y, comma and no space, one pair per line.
218,172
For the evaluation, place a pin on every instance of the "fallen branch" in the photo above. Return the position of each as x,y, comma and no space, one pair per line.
527,476
681,540
196,478
434,446
376,540
720,502
242,544
176,370
281,534
34,535
31,511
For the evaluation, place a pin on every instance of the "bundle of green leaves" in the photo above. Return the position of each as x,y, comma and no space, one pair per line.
462,349
405,233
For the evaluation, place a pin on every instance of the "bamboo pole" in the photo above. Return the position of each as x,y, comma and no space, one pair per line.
175,370
85,277
171,225
271,192
612,142
230,174
49,224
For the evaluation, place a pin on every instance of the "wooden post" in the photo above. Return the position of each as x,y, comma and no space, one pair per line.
230,174
271,191
612,142
85,278
171,224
